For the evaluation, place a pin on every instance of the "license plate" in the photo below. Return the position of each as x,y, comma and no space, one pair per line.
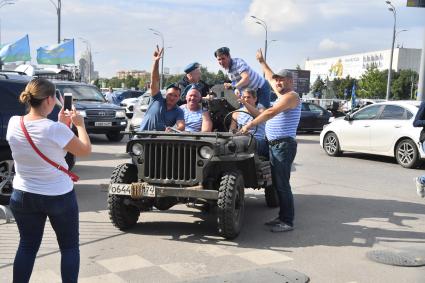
103,124
138,189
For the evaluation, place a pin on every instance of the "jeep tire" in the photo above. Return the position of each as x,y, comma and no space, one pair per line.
114,136
230,204
272,199
122,215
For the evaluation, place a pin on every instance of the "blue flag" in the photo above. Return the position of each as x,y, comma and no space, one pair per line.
62,53
18,51
353,96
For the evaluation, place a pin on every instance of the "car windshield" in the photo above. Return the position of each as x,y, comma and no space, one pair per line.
82,92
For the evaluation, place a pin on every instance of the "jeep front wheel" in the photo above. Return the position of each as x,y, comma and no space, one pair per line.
123,215
230,204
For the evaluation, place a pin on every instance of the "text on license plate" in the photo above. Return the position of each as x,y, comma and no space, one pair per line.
138,189
103,124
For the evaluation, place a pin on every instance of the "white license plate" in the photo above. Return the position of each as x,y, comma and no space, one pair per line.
103,124
125,189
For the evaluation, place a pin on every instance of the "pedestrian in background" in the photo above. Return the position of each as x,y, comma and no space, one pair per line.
243,76
282,120
420,122
41,190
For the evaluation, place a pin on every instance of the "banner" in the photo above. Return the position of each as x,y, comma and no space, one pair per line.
62,53
353,97
18,51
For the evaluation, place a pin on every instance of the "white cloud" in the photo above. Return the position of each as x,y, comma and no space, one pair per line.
329,45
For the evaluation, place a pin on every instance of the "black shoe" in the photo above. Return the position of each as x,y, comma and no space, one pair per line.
272,222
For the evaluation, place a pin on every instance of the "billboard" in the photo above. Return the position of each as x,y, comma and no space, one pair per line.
301,80
416,3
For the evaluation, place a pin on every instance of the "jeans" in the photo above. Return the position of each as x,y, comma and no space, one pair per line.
281,157
263,94
262,147
30,212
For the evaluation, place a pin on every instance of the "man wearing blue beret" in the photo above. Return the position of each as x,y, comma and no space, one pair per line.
243,76
162,113
193,76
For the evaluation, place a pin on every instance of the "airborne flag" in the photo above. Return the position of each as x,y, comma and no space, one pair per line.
62,53
17,51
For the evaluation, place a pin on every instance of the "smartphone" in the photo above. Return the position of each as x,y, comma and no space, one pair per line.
67,101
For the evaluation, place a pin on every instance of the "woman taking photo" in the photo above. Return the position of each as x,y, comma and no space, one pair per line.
40,189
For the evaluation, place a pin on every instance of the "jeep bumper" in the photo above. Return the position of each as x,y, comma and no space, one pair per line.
141,190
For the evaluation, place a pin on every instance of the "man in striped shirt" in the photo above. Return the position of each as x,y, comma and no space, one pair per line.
282,120
243,76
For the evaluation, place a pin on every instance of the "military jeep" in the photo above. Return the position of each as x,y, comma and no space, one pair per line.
170,168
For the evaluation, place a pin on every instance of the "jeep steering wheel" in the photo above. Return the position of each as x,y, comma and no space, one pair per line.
241,111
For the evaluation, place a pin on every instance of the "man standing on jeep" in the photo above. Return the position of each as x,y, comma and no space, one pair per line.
243,76
162,113
282,120
193,76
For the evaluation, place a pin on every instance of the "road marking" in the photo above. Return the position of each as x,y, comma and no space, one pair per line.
104,278
186,269
125,263
264,257
212,250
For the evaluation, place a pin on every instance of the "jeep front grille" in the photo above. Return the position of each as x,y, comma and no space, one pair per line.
170,161
100,113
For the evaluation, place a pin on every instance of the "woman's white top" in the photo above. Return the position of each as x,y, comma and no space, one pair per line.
34,174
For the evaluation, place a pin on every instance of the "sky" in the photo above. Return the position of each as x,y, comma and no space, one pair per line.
120,39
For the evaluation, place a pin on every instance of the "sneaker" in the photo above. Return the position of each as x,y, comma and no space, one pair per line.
281,227
420,188
272,222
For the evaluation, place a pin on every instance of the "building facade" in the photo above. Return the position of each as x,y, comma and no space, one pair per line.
137,74
356,65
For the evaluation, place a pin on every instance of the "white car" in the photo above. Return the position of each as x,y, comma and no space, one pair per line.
384,128
129,103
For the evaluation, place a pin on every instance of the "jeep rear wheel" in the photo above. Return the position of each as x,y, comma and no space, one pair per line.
114,136
230,205
272,200
123,215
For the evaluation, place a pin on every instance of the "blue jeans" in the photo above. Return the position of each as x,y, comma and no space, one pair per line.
262,147
263,94
281,157
30,212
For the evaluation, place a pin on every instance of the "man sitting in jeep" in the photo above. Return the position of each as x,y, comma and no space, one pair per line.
196,119
162,113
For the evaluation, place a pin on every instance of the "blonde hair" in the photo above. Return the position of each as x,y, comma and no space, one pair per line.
36,91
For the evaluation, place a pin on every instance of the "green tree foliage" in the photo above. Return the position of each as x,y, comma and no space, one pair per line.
318,86
342,86
404,84
372,84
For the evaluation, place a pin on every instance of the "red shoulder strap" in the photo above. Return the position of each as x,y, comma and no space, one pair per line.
73,177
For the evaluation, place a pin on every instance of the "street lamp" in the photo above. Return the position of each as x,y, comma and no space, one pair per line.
264,25
2,4
88,46
158,33
58,12
398,33
393,10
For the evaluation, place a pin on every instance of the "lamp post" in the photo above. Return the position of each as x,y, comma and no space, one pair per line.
58,8
398,33
393,10
158,33
264,25
88,46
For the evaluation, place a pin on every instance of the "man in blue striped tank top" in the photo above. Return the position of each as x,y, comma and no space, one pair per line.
281,126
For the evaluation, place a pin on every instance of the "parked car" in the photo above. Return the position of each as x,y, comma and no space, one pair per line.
313,117
384,128
120,95
129,103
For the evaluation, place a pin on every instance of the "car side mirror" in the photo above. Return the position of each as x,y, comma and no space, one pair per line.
348,117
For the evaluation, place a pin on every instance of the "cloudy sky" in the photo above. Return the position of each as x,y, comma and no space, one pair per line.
119,34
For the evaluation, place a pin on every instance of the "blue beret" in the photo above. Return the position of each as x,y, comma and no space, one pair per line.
189,68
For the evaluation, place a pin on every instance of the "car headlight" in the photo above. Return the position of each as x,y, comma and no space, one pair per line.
120,114
82,113
206,152
137,149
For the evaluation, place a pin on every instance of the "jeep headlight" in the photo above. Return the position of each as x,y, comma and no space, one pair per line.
120,114
206,152
137,149
82,113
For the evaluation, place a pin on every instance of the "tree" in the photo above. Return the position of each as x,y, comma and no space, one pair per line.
318,87
372,83
404,84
